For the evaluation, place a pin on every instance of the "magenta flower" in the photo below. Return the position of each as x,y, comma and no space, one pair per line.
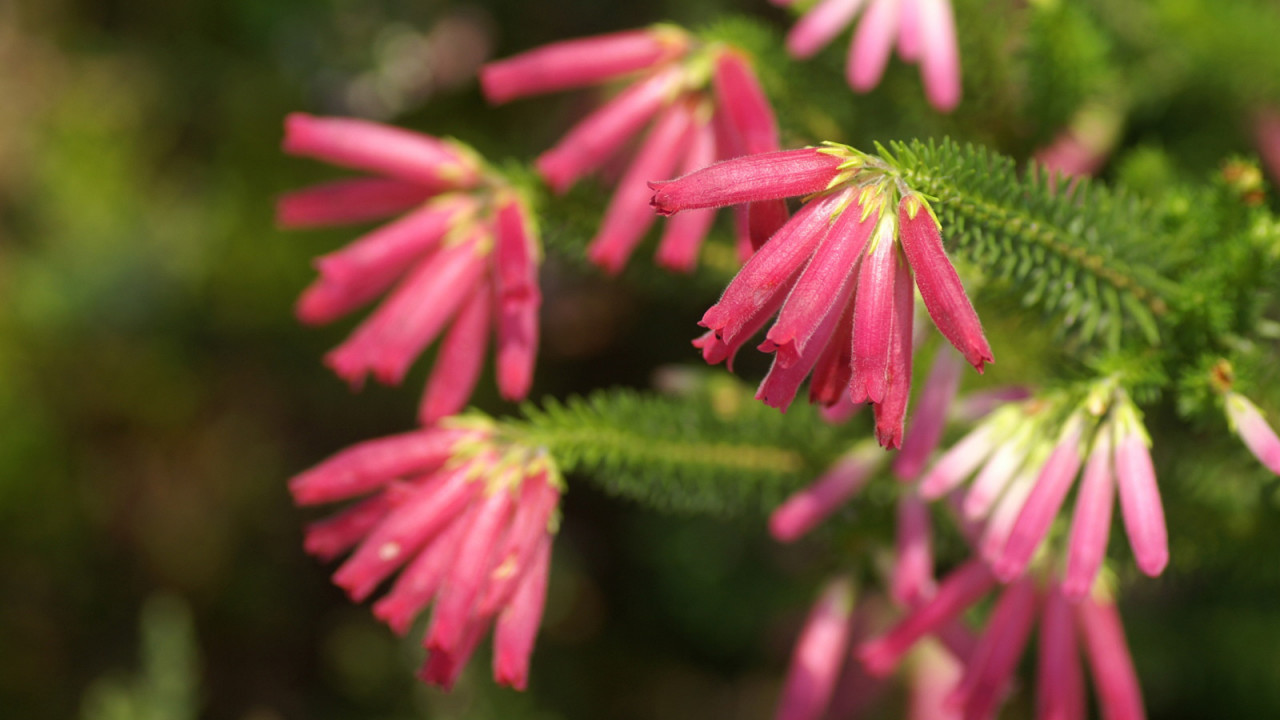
1252,427
930,419
464,256
911,581
1029,455
819,653
841,276
989,667
465,520
924,31
805,509
694,117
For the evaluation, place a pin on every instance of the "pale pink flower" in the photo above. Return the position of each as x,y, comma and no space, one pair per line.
923,30
1140,505
462,262
840,275
465,520
911,581
1030,454
819,654
933,674
1091,521
1114,678
695,116
805,509
1253,429
925,431
1043,502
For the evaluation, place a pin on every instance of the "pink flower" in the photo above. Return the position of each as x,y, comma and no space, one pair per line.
989,667
840,274
695,117
930,420
819,654
1030,455
1111,665
1059,677
911,581
1266,133
463,257
464,520
1140,505
924,31
956,592
804,510
1248,423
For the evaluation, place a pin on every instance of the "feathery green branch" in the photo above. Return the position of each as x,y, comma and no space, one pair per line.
716,452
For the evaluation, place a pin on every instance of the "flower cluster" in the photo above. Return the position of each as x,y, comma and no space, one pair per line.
465,251
924,31
1029,454
990,664
692,126
841,276
465,518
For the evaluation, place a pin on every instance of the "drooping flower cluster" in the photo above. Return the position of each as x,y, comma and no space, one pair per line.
466,519
1029,454
692,125
465,252
841,276
924,31
990,665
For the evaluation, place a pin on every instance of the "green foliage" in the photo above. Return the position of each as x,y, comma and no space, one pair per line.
167,685
1075,250
712,450
1068,64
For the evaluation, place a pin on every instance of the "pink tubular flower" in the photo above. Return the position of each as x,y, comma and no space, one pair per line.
840,274
1091,522
1140,504
579,63
989,666
1043,502
1030,455
805,509
956,592
704,103
819,652
911,582
931,416
465,521
1252,427
924,31
1110,663
461,263
934,674
1059,678
989,671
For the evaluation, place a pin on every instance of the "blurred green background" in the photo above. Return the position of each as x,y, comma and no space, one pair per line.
156,393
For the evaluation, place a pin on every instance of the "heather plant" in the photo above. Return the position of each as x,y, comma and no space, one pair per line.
1126,304
1013,323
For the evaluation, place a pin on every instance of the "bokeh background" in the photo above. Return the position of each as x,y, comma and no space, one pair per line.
156,393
